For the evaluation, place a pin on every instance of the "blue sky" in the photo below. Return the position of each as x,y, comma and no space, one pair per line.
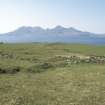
86,15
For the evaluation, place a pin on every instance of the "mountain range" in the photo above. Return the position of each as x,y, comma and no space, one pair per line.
57,34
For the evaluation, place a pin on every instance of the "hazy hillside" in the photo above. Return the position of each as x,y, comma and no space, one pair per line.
57,34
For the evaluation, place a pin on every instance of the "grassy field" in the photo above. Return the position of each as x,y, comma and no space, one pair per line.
52,74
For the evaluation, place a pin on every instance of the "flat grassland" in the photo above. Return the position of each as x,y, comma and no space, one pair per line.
52,74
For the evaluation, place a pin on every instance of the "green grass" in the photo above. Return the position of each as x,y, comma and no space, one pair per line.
43,79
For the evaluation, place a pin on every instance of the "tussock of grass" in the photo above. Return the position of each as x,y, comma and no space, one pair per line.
9,70
38,68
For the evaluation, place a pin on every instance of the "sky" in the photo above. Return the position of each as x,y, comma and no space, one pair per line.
85,15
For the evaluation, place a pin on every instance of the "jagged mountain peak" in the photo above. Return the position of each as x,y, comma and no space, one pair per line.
74,29
29,28
59,27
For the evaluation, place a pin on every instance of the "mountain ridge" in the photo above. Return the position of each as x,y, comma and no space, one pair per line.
56,34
